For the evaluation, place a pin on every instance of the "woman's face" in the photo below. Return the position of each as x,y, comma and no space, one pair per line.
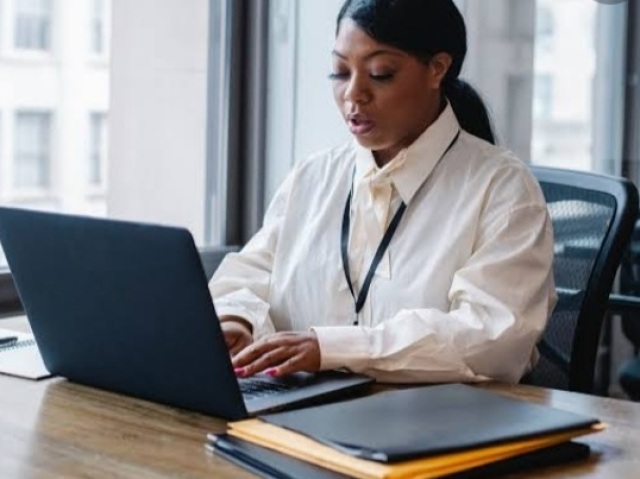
386,96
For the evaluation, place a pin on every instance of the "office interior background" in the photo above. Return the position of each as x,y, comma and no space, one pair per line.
191,112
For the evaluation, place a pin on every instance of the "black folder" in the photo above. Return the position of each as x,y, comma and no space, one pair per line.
419,422
270,464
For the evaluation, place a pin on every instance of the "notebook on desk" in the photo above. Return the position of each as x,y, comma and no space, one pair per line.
21,357
126,307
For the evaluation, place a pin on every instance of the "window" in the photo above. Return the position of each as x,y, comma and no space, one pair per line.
300,97
32,150
578,88
33,24
545,28
97,148
98,26
155,122
49,135
543,98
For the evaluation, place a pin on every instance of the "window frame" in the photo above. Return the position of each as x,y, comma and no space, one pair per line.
236,120
608,122
631,130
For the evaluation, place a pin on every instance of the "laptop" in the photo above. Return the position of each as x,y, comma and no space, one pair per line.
125,307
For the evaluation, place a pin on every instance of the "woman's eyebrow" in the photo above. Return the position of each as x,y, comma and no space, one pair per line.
370,55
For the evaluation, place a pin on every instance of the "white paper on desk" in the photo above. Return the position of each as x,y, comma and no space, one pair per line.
23,358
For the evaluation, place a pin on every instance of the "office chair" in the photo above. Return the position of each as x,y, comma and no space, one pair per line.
212,256
593,217
627,305
629,372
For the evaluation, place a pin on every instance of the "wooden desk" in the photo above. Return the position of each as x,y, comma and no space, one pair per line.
56,428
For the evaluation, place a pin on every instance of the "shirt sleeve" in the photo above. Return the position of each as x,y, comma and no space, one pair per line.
240,285
500,300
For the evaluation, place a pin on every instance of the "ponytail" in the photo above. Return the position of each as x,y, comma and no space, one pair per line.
469,108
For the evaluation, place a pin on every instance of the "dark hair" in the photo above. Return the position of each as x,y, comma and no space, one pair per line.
424,28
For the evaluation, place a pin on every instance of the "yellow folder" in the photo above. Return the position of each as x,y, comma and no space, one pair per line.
305,448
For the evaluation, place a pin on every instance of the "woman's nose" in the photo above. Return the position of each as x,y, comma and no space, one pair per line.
357,91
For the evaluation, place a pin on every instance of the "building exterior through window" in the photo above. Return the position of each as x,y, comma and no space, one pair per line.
54,104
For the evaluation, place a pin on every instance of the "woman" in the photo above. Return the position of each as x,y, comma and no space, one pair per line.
420,252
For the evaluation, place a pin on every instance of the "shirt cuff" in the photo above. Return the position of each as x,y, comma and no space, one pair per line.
343,347
256,313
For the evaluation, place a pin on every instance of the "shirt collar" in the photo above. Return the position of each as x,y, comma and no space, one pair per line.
422,155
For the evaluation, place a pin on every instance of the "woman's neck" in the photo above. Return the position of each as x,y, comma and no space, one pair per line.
382,157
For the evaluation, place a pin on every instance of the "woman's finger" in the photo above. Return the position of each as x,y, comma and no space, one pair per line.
269,359
237,347
291,365
251,353
279,354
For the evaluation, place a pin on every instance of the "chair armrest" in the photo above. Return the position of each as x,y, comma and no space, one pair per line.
623,304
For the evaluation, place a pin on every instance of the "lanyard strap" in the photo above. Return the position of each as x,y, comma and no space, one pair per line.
382,247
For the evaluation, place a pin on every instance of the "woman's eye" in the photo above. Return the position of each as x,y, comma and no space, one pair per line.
381,77
338,76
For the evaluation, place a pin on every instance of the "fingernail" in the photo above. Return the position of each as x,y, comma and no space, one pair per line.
273,372
239,371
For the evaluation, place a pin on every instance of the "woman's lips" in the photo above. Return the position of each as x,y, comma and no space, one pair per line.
360,127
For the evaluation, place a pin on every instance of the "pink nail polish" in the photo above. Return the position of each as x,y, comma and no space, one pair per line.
271,372
239,371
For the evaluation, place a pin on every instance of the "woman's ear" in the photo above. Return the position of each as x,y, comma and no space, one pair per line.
438,67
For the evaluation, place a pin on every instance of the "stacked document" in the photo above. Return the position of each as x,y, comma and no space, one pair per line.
426,432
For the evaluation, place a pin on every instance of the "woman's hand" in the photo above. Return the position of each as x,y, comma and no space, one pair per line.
279,354
237,333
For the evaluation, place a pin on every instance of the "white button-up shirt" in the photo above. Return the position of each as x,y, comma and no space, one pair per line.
462,293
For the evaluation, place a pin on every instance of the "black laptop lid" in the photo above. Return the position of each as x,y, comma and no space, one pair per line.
120,305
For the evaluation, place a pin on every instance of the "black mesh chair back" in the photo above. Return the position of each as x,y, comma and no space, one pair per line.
212,256
593,217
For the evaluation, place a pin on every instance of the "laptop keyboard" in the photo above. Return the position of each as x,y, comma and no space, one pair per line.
252,388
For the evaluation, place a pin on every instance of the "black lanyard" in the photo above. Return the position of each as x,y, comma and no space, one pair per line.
382,247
